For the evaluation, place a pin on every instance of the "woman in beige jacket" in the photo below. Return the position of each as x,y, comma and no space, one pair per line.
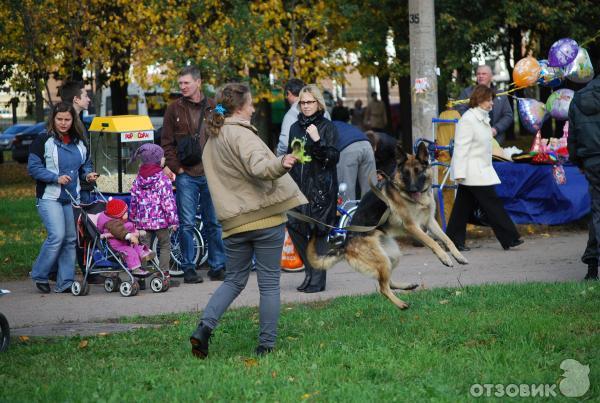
472,169
251,192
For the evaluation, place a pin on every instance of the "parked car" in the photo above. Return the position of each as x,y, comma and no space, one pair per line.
8,136
20,150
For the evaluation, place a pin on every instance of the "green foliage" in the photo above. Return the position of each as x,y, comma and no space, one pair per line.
347,349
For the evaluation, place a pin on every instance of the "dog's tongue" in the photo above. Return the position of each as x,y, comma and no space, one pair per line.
416,196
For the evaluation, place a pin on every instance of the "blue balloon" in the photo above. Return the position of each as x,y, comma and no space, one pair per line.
550,76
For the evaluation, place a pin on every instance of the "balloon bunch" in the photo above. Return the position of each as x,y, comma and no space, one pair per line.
566,60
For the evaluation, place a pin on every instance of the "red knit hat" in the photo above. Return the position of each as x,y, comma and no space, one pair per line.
115,208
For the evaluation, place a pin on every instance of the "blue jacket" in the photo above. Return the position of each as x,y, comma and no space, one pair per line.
50,158
347,134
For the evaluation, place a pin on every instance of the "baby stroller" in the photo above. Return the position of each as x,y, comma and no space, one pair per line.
100,258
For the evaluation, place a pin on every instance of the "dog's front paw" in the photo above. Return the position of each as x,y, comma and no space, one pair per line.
445,259
461,259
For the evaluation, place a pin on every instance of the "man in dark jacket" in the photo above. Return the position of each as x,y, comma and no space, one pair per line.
501,116
384,148
183,118
584,151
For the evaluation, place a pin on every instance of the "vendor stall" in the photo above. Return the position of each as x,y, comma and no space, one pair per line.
532,196
113,140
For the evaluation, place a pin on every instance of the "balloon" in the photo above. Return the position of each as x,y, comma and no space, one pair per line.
526,72
562,52
580,70
532,114
550,76
558,103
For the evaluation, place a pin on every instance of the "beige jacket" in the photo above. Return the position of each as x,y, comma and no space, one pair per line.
472,158
246,181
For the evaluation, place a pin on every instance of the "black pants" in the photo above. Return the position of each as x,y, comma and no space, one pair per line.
592,174
316,278
490,203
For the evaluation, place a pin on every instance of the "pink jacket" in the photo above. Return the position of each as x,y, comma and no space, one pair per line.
152,204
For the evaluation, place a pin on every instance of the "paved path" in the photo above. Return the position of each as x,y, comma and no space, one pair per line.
540,258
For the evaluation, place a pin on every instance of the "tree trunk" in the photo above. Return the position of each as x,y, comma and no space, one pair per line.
39,101
262,121
384,88
118,97
405,111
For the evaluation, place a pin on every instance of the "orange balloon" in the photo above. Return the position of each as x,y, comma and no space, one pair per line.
526,72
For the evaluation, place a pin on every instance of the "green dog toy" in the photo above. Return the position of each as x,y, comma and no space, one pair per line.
298,151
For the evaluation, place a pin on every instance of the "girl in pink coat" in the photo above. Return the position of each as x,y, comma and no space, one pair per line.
152,207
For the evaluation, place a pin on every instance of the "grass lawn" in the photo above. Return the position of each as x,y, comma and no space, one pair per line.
348,349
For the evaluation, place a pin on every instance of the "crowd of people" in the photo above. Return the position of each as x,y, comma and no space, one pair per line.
209,147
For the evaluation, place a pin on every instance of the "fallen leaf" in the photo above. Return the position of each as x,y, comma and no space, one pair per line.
83,344
458,292
250,362
444,301
175,322
273,374
24,338
102,334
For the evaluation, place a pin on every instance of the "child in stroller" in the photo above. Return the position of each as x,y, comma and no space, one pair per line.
123,237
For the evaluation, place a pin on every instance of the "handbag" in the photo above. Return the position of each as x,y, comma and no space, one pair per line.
189,148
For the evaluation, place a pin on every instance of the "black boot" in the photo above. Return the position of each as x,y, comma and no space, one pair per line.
263,350
199,340
317,282
592,273
305,283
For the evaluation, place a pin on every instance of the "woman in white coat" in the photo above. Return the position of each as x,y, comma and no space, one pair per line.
472,169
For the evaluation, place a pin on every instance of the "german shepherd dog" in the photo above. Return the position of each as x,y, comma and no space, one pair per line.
412,209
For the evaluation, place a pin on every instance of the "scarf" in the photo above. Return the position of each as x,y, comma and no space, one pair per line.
306,121
147,170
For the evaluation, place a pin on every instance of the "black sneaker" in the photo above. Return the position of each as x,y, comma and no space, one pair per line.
43,287
263,350
216,275
200,340
192,277
592,273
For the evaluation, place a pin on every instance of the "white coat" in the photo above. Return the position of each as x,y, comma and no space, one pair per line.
472,159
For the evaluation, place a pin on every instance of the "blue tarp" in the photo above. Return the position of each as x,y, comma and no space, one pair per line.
531,195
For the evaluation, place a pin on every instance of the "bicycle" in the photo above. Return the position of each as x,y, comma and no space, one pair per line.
345,210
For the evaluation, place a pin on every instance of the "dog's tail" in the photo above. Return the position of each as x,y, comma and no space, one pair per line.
322,262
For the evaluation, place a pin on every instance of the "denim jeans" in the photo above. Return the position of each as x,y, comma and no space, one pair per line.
192,190
59,248
265,246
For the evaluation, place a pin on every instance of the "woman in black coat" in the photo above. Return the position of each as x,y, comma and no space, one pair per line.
317,179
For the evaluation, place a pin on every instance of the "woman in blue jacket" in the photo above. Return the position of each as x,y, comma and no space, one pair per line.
58,160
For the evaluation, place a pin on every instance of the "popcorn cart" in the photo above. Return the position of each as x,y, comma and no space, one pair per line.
113,140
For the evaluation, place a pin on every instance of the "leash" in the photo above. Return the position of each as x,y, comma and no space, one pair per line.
351,228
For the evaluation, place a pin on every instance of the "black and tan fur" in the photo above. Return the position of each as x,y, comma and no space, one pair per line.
412,210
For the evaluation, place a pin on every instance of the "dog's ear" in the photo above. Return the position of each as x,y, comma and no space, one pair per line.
400,154
423,154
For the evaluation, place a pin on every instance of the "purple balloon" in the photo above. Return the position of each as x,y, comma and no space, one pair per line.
532,114
562,52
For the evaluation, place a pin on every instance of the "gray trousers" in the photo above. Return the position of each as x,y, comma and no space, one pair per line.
164,245
357,162
265,246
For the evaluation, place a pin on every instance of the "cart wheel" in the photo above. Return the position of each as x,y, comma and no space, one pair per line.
79,289
111,284
166,284
126,289
135,288
4,333
156,284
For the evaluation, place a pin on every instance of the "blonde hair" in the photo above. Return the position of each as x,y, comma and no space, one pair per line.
313,90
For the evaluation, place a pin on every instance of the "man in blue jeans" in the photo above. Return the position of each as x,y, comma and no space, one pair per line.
184,124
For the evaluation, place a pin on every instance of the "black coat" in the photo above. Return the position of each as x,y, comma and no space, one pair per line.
584,125
316,179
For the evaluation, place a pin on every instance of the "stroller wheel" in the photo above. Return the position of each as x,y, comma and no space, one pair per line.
80,289
127,289
156,284
111,284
